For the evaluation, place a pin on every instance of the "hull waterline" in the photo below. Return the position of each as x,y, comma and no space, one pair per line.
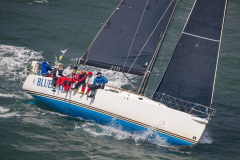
131,112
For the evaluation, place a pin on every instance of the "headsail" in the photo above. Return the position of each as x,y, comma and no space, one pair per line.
130,37
190,75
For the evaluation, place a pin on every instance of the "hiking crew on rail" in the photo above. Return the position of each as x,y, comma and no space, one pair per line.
71,76
99,82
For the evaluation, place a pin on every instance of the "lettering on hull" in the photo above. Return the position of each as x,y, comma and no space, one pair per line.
44,83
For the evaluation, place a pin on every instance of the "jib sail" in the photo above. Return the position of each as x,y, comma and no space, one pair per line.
190,75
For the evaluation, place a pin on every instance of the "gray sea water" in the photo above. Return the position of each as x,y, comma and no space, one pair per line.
39,29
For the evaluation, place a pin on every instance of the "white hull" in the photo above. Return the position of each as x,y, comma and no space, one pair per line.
176,126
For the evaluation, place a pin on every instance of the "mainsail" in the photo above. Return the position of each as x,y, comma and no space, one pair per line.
130,37
191,73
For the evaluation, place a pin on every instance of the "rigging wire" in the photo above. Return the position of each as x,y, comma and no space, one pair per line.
99,32
64,51
150,36
135,35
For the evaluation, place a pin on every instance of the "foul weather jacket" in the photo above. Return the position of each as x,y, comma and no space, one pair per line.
45,68
81,78
67,72
100,80
59,73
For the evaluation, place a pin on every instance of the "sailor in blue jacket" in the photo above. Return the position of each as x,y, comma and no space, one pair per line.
99,82
45,68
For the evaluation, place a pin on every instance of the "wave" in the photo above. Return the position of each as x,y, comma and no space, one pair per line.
15,60
3,110
206,138
10,95
41,1
9,115
118,133
22,96
4,113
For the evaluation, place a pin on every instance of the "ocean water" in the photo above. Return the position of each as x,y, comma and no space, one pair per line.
38,29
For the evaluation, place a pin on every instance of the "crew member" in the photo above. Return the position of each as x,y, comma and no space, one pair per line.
54,76
99,82
57,74
45,68
73,79
67,74
87,81
80,80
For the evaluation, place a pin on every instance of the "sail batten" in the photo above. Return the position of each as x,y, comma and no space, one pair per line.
191,71
130,37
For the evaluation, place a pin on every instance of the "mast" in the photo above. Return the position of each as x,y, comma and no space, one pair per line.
191,72
148,72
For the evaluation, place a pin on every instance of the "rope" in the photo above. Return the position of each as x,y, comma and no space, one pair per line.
149,37
135,35
81,27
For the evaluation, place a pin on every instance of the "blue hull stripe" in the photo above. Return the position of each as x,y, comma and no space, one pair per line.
76,109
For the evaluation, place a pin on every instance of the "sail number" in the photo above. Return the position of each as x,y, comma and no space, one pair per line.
116,68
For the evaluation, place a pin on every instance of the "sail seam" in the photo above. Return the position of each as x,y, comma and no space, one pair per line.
193,35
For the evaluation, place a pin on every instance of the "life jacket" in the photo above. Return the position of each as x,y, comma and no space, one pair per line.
60,72
82,78
75,74
54,73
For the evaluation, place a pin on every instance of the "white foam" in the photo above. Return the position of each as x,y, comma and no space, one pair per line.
117,132
9,115
206,138
41,1
22,95
10,95
25,95
3,109
15,60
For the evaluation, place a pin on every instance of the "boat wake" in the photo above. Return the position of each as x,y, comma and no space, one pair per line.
17,96
118,133
14,67
4,113
15,60
206,138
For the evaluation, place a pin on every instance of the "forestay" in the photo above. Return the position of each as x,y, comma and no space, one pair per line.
128,40
190,75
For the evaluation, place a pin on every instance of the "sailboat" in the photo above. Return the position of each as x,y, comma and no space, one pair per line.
129,42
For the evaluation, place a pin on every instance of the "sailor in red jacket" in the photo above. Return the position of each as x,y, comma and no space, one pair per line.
87,81
72,80
80,80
